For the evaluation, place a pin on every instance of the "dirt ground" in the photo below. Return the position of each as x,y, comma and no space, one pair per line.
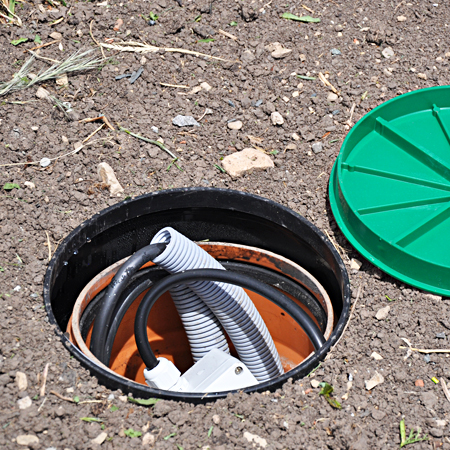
346,47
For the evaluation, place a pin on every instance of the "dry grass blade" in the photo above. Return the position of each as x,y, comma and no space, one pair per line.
77,62
327,83
138,47
11,17
18,78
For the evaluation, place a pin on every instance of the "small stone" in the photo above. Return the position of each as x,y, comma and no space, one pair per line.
78,146
376,356
118,24
24,403
280,53
35,128
21,378
108,177
277,51
155,129
256,439
62,80
295,94
27,439
335,52
440,335
401,19
123,398
65,140
422,76
216,419
332,97
419,383
277,118
148,440
338,28
143,61
317,147
295,136
355,264
235,125
247,57
388,52
387,72
315,383
100,439
286,99
205,86
245,161
439,59
42,93
291,147
45,162
374,381
382,313
378,414
29,184
185,121
56,36
427,358
436,432
441,423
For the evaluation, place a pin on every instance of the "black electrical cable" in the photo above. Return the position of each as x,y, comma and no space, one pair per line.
152,274
134,290
112,296
159,288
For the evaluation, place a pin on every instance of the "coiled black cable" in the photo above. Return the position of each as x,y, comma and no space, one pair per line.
159,288
117,286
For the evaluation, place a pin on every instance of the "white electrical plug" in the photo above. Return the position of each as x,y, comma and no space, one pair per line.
164,376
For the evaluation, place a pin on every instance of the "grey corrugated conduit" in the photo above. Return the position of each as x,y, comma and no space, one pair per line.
230,305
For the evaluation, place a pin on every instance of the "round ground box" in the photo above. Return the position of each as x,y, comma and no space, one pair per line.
232,218
390,188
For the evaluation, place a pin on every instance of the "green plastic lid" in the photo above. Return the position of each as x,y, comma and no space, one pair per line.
390,188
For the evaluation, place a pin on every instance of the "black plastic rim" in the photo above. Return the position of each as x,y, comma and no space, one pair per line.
200,213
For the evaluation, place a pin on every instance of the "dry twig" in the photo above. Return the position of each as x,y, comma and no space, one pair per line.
180,86
72,152
228,35
138,47
445,389
44,378
93,38
67,399
94,119
327,83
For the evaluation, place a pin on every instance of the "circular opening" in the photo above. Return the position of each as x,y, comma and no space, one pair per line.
89,255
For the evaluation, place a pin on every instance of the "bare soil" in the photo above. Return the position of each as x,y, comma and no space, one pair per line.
248,87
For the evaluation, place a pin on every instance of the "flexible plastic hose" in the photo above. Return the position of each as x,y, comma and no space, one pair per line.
277,297
230,304
113,292
203,329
